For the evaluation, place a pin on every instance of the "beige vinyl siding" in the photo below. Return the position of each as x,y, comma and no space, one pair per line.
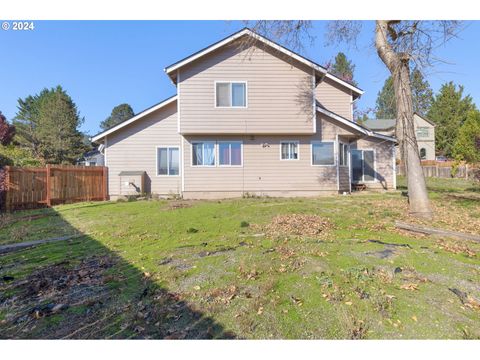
276,93
263,172
344,178
335,98
133,148
384,168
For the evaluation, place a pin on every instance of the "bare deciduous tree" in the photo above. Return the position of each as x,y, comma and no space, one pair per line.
398,44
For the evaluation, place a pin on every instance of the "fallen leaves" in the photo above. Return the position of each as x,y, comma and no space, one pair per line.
297,225
223,295
296,301
252,274
456,247
467,300
409,286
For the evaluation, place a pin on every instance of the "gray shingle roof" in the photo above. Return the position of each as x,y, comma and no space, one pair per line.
380,124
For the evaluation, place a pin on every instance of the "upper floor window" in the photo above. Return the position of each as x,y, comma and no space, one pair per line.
422,132
231,94
289,150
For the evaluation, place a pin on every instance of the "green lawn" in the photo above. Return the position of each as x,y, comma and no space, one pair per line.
203,269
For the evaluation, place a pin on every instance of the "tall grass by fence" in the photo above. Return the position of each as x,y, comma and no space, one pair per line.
445,169
28,188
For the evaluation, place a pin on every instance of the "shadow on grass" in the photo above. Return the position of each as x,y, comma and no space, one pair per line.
80,289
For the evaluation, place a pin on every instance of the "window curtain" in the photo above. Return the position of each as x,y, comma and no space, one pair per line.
209,153
197,154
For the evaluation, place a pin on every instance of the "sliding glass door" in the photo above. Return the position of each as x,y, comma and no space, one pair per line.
363,165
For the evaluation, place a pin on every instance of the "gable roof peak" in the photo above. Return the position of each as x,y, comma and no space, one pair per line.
172,73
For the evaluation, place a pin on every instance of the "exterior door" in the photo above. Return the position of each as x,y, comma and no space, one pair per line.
363,165
357,165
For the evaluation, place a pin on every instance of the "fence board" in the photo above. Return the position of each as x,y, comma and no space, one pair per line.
444,169
29,188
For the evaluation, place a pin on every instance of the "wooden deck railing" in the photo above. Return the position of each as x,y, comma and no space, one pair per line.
29,188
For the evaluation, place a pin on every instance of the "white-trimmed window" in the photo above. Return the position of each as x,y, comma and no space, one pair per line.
323,153
230,153
168,161
343,154
422,132
230,94
289,150
203,153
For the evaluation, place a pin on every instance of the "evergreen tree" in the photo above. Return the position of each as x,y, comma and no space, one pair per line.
422,93
422,96
385,104
47,124
467,144
6,130
343,68
119,114
449,112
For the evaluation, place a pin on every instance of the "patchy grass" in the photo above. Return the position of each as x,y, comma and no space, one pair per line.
141,271
442,185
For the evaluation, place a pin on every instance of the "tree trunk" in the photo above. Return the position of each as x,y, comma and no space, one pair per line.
398,64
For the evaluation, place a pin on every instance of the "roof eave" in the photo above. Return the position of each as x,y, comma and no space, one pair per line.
141,114
355,126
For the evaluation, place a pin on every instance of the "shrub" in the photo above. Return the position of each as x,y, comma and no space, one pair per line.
244,224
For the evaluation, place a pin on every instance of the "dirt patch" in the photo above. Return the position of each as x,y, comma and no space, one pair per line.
386,253
53,289
296,225
389,250
179,204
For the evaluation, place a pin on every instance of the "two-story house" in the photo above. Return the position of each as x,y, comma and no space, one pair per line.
249,117
424,130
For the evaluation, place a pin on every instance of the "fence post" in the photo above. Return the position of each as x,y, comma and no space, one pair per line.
48,185
105,183
7,188
466,171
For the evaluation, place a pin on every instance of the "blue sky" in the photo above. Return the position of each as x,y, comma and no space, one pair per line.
104,63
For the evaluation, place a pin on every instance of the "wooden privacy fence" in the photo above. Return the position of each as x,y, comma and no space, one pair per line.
443,169
28,188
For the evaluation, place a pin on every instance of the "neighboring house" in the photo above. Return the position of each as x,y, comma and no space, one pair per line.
424,128
92,158
250,118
